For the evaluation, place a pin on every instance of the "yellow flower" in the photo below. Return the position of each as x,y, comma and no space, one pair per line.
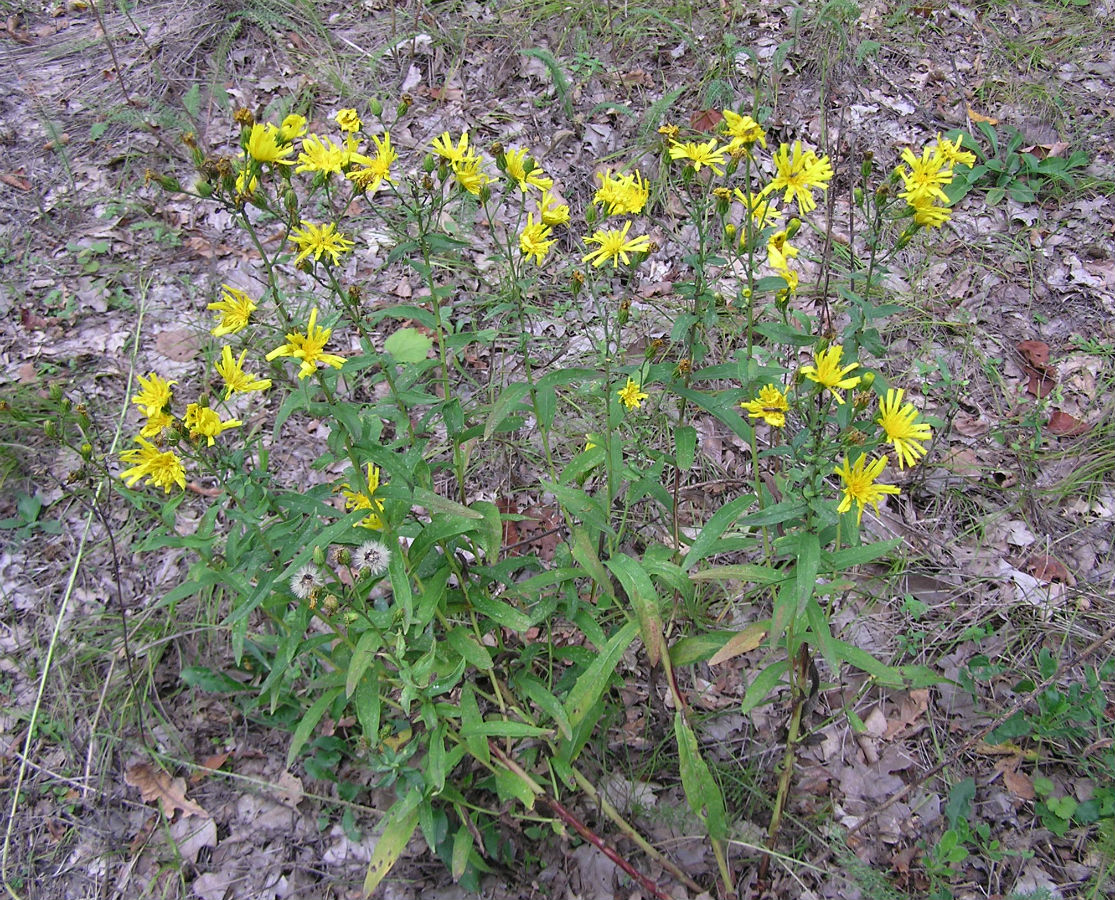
798,172
828,372
930,215
470,176
669,132
347,120
162,468
308,348
319,239
771,406
614,244
237,381
293,126
533,240
204,422
156,425
552,212
516,162
246,183
697,155
860,486
590,444
779,252
154,395
235,307
443,147
265,146
744,131
925,178
898,421
762,211
365,498
952,154
622,195
378,168
632,395
320,154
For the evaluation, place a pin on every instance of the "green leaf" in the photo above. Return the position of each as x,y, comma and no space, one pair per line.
644,598
764,683
585,554
408,345
805,572
462,846
490,536
685,446
309,722
747,572
705,542
509,399
510,786
212,682
701,790
368,706
191,100
535,690
858,556
591,685
471,723
437,503
499,612
865,662
464,642
362,657
401,822
961,796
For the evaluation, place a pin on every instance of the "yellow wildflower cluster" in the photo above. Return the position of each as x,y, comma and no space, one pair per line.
924,179
897,422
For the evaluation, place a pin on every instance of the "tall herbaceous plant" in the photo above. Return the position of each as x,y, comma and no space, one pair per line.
380,586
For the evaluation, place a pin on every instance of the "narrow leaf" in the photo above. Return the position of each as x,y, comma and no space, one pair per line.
644,598
309,722
402,820
593,681
701,790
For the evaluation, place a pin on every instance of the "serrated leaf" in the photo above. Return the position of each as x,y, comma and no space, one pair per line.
408,345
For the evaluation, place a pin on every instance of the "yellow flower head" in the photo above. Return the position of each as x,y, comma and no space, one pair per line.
365,498
378,169
347,120
156,425
154,395
535,240
925,178
771,406
162,468
319,239
779,251
622,195
860,486
237,381
613,244
444,147
320,154
292,127
204,422
930,215
632,394
551,211
265,146
798,172
235,308
744,132
246,183
952,154
762,210
309,348
899,422
516,162
828,372
697,155
470,175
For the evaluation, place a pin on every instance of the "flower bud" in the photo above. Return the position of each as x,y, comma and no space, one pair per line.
204,188
793,228
55,392
86,451
50,429
319,556
867,379
244,117
404,105
375,107
867,166
624,311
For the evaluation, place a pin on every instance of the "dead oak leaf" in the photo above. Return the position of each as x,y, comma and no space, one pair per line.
1035,360
1048,569
155,784
705,119
1064,425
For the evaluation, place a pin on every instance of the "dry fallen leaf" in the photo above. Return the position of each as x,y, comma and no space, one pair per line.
1047,569
1064,425
178,344
741,642
705,119
979,117
154,784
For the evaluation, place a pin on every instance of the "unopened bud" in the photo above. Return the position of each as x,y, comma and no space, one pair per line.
375,107
203,188
86,451
319,556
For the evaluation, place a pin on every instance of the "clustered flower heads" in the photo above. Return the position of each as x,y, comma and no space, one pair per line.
898,422
925,178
